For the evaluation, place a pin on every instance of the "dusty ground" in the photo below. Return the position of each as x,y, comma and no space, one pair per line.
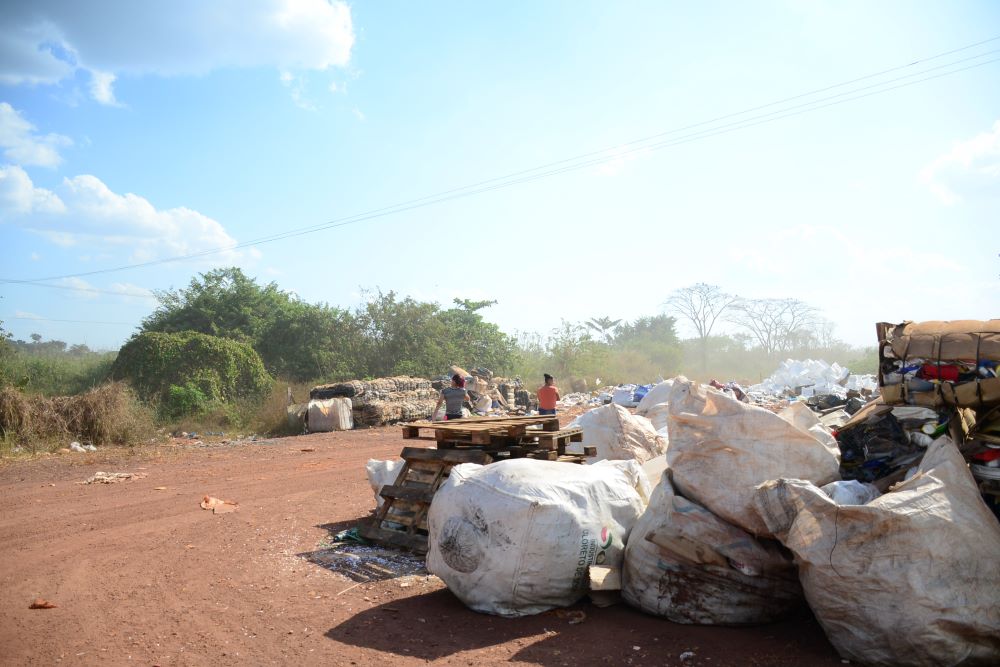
143,575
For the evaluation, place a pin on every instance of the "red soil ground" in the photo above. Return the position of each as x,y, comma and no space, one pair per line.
144,576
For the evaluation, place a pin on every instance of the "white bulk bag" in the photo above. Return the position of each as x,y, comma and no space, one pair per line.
721,449
330,414
910,578
618,434
517,537
655,396
684,563
381,473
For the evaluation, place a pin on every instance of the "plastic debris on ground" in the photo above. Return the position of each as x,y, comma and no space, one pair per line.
112,477
218,506
364,562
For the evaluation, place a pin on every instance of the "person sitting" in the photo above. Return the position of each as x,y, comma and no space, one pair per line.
548,396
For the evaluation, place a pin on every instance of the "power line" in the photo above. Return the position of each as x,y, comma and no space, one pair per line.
47,319
591,158
95,290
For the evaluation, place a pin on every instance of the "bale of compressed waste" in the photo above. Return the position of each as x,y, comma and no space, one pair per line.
369,390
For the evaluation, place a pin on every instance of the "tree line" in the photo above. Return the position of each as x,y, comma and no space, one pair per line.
389,334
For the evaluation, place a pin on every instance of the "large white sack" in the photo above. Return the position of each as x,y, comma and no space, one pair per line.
617,434
684,563
330,414
381,473
910,578
659,416
517,537
721,449
655,396
623,395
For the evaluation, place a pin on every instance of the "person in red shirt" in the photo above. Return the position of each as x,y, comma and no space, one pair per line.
547,396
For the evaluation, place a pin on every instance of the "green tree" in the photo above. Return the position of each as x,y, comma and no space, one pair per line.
401,336
296,340
474,341
605,327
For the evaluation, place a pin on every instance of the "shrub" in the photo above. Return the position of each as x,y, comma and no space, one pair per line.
184,401
220,369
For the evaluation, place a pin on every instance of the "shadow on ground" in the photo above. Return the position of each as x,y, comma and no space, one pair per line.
437,625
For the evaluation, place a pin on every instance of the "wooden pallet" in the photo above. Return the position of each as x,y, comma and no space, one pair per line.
558,440
477,430
402,519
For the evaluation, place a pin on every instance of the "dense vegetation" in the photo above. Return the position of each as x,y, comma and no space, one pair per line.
185,372
387,335
211,349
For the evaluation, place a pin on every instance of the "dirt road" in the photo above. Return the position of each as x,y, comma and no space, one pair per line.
143,575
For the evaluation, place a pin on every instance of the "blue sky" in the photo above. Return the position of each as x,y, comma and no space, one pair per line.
134,132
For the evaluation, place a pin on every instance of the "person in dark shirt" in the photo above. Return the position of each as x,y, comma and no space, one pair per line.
452,397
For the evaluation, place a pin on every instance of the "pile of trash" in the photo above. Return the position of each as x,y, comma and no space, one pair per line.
752,515
813,377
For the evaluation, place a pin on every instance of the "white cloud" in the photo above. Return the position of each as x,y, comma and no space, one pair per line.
46,41
35,257
969,169
84,289
101,87
296,84
806,250
359,114
133,293
19,196
25,315
22,145
87,211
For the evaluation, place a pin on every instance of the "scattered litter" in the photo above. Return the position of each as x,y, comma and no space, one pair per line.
112,477
575,616
308,449
363,563
159,488
217,505
41,603
686,655
76,447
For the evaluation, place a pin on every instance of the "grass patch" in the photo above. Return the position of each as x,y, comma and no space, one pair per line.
267,416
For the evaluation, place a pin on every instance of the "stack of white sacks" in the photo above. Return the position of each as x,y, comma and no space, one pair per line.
735,531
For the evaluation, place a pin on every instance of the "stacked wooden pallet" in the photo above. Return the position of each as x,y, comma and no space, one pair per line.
536,437
402,519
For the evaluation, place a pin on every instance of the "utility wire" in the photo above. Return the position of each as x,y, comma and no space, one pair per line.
610,154
46,319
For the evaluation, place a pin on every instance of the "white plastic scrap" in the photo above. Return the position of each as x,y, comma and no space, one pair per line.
815,377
